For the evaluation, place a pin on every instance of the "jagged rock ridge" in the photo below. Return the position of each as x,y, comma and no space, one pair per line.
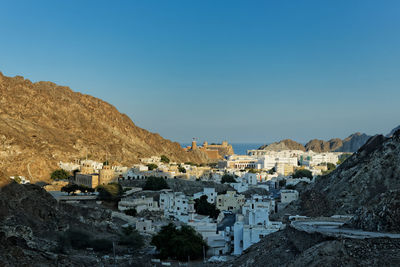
286,144
366,185
42,123
349,144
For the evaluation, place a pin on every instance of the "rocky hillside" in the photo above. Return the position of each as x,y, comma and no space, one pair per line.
393,131
286,144
324,146
34,227
294,248
366,185
353,142
349,144
42,123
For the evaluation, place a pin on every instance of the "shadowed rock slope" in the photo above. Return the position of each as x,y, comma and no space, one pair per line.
366,185
33,224
42,123
294,248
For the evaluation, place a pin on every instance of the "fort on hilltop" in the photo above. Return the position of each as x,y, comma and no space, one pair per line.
213,151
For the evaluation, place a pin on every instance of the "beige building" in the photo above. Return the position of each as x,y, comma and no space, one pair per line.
86,168
89,180
107,175
284,169
231,201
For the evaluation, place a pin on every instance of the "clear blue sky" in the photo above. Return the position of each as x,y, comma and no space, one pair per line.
245,71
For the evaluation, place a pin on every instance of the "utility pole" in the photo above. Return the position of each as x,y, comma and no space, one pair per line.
115,260
204,254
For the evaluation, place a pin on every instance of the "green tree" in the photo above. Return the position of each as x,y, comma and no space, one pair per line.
203,207
181,169
70,188
155,184
272,170
331,166
131,212
17,179
60,174
302,173
226,178
111,191
164,159
83,188
131,238
343,157
179,244
152,166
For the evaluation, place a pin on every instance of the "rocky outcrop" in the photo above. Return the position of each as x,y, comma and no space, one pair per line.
294,248
367,185
349,144
286,144
393,131
353,142
43,123
381,214
33,229
320,146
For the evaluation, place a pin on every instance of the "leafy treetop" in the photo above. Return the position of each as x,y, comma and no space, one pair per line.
180,243
226,178
302,173
165,159
59,174
155,184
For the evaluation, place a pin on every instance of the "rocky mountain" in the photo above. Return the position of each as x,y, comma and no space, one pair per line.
366,185
353,142
290,247
34,228
42,123
286,144
349,144
393,131
324,146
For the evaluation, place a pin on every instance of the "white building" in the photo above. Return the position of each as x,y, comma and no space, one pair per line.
253,223
209,192
288,196
240,187
255,178
151,160
140,204
215,240
175,204
144,226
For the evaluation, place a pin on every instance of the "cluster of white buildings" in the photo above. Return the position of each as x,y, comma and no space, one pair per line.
282,162
249,218
242,221
253,223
